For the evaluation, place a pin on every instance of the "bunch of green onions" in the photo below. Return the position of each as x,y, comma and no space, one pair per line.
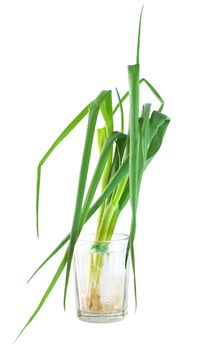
122,161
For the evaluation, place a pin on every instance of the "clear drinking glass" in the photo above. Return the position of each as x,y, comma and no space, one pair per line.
101,279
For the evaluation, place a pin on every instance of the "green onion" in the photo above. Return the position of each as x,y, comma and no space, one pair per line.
123,158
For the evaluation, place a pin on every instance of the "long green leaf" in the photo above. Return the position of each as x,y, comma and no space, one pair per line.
65,132
134,85
48,291
133,72
60,245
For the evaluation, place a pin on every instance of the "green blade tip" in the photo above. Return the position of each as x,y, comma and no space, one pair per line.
139,32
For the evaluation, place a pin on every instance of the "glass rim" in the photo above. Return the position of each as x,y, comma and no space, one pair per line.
117,237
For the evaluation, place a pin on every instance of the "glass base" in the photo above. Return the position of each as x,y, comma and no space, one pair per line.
101,318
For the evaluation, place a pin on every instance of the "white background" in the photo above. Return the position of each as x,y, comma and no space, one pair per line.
55,57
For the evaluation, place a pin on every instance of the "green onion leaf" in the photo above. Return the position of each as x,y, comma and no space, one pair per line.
60,245
46,294
61,137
